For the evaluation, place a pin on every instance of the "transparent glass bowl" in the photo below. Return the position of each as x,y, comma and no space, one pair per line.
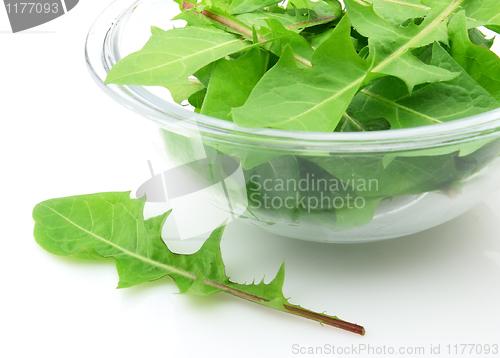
327,187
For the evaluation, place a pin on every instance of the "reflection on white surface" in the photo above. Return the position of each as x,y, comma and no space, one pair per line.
495,256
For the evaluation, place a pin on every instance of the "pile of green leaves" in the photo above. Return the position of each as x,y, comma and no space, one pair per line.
316,66
323,66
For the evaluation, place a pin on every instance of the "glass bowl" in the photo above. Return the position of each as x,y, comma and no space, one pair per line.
326,187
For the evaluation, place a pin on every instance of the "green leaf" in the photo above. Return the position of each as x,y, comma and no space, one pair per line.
220,4
268,190
194,18
248,157
390,45
328,201
495,28
397,12
274,36
87,253
315,99
471,161
317,39
310,99
403,176
196,99
322,8
348,123
284,37
259,18
182,92
296,20
428,104
481,64
482,12
243,6
350,216
222,19
204,73
171,56
478,153
478,38
111,225
232,81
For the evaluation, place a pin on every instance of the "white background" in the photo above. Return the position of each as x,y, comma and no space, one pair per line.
61,135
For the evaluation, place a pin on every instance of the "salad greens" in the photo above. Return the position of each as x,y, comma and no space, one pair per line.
311,65
430,103
327,66
111,225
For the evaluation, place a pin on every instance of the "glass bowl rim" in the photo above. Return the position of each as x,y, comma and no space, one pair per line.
102,51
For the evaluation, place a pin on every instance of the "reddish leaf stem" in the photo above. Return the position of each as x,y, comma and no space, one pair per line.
295,310
331,321
238,28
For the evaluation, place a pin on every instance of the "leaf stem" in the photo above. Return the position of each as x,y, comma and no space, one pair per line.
331,321
235,292
239,28
226,22
295,310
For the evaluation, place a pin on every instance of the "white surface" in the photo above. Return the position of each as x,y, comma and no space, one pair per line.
62,136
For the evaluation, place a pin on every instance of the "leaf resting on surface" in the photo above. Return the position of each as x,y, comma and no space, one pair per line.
111,225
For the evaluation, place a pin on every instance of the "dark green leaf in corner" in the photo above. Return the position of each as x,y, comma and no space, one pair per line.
232,81
479,39
430,103
481,64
